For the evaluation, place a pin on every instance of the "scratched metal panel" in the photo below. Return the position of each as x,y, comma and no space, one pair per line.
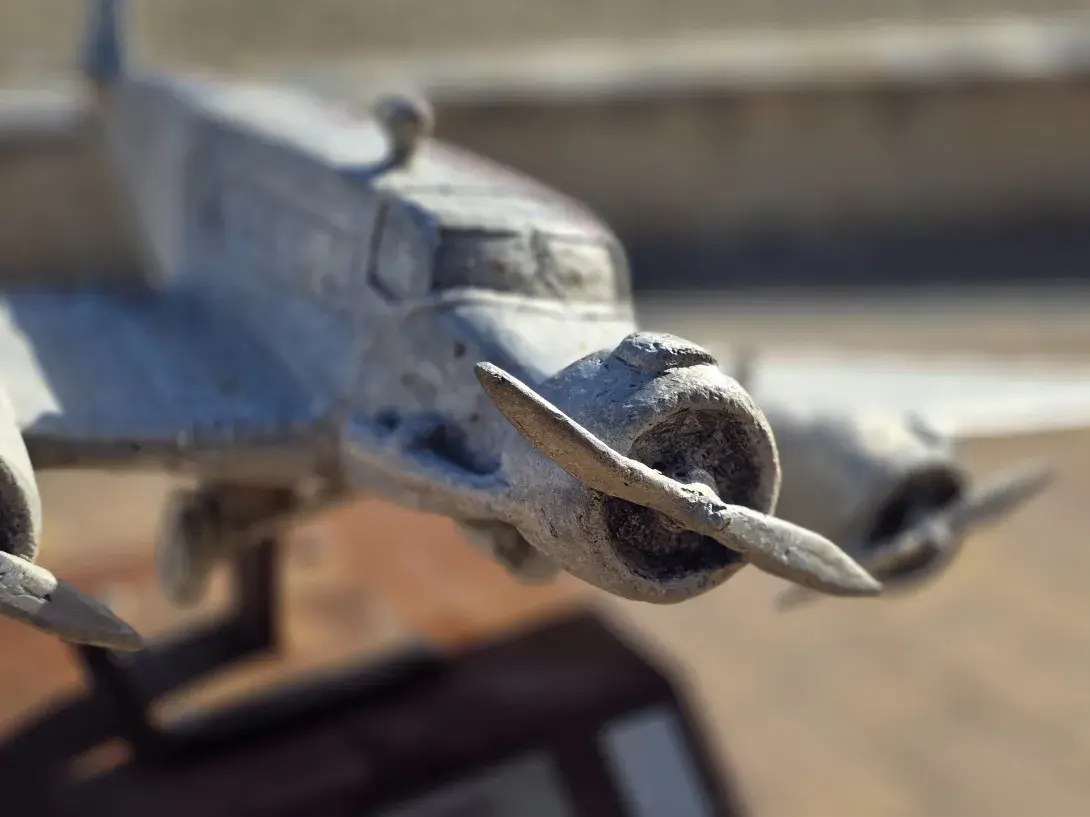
87,365
294,119
284,243
436,344
329,136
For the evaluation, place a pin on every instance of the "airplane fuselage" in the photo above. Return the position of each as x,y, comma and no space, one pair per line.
376,289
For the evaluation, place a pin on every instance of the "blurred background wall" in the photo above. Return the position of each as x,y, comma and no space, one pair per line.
737,143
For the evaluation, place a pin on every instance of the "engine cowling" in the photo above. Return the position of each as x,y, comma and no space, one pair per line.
669,406
863,479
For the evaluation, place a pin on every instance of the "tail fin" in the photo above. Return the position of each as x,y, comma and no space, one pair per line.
105,69
103,48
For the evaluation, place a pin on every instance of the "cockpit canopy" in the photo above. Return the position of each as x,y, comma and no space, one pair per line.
536,264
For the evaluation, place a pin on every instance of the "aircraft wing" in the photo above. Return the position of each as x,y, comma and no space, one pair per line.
142,379
963,396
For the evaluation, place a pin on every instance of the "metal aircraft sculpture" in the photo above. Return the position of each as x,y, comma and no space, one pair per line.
335,304
327,296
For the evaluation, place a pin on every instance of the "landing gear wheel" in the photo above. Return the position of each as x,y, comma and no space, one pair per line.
187,546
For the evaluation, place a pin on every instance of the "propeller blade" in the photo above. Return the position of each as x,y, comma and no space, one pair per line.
773,545
787,551
944,531
34,596
1002,496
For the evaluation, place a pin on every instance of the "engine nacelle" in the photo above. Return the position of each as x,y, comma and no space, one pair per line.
668,405
861,479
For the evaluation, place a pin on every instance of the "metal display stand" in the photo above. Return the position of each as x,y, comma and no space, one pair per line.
417,734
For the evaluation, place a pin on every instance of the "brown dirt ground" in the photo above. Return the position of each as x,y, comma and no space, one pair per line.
969,699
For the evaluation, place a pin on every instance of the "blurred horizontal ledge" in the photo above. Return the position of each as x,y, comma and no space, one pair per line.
710,141
1020,256
593,70
937,152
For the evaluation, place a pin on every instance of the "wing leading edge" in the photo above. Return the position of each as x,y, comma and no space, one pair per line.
147,380
965,397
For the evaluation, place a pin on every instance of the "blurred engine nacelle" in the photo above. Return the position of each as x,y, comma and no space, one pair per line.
886,488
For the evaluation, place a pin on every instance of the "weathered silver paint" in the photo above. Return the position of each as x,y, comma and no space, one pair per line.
322,285
641,505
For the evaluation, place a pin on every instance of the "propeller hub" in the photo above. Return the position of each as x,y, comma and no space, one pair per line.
673,413
698,446
919,493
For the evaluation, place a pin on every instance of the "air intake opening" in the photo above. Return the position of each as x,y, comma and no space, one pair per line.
921,491
714,441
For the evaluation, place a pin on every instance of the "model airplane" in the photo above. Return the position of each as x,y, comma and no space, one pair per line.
327,296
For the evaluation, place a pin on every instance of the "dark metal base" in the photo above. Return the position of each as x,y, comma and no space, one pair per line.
123,688
568,708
